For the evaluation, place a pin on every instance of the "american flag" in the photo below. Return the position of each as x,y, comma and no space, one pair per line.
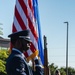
24,18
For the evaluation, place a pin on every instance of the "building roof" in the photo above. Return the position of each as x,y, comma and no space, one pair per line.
3,39
4,42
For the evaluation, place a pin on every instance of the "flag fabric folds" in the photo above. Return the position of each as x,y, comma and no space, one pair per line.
26,17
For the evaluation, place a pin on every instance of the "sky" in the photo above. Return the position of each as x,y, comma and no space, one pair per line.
53,14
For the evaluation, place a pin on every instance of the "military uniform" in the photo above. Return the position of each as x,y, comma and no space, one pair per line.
17,65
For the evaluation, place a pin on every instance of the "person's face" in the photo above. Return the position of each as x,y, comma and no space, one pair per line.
25,45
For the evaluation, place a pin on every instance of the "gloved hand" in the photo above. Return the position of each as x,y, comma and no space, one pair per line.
36,57
38,62
31,56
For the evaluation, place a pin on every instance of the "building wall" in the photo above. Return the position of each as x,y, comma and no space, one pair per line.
4,42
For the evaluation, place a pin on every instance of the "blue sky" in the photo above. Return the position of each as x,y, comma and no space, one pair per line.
53,14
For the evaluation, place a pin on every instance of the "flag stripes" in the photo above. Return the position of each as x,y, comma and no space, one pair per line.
24,19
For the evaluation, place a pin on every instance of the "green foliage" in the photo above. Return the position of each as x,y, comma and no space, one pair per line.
71,71
5,53
52,68
3,56
62,71
2,68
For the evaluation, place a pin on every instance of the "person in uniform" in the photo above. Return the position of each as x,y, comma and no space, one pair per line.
16,63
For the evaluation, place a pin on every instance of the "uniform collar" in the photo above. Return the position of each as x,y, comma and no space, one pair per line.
14,49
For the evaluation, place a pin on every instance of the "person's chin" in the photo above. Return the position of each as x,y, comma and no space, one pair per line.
26,49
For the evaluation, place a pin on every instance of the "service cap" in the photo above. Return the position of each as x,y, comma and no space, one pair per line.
20,34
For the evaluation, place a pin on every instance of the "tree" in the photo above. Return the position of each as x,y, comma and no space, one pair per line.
3,56
71,71
52,68
1,33
62,71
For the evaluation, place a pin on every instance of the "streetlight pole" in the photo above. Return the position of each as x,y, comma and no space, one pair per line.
67,50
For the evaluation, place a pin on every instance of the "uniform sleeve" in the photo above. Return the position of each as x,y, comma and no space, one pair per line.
39,68
18,66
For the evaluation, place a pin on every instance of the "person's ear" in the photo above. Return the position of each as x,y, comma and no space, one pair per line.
18,43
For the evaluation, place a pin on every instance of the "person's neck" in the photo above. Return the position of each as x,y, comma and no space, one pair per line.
18,48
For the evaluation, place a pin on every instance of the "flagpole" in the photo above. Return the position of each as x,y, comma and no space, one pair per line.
33,65
46,69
